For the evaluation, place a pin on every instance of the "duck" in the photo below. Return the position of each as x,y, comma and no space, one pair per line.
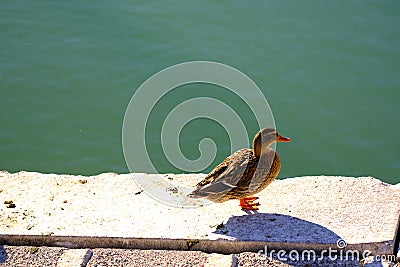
243,174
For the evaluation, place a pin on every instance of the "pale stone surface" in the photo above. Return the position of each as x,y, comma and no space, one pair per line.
74,258
218,260
298,213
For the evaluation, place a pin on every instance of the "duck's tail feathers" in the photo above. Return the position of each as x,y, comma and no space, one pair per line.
197,194
219,188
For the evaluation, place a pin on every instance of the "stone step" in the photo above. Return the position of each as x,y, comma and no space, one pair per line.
109,210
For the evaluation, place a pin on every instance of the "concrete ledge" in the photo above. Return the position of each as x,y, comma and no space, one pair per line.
110,210
208,246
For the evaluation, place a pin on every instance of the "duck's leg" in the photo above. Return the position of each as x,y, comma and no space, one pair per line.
247,203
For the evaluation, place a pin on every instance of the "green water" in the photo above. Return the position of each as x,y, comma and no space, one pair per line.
329,70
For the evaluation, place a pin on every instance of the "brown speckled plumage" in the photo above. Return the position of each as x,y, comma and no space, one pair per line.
245,173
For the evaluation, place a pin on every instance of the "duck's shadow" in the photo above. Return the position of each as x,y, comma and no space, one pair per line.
271,227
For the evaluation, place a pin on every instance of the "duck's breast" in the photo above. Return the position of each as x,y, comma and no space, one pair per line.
267,170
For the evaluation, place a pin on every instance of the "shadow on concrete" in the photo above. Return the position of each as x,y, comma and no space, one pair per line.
270,227
3,254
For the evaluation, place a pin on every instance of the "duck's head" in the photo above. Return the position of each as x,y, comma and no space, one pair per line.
264,139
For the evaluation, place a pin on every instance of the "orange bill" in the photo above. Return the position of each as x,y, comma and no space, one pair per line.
282,139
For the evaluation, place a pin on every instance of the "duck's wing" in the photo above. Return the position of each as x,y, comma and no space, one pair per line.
217,171
225,176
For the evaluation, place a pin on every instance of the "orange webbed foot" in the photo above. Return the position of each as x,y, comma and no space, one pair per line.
247,203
